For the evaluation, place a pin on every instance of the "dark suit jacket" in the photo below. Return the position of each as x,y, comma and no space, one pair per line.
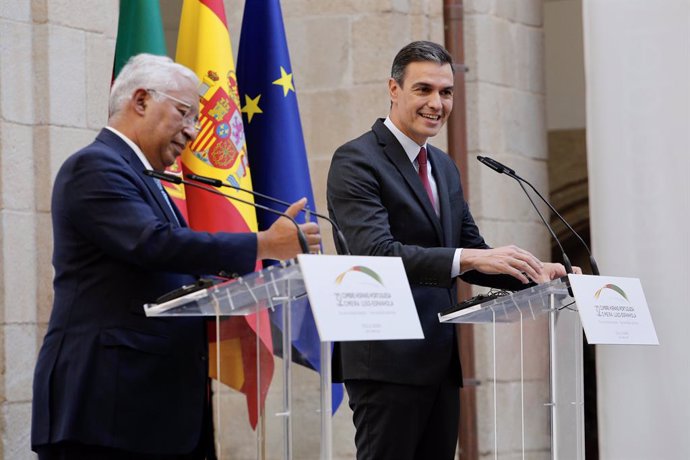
377,198
106,374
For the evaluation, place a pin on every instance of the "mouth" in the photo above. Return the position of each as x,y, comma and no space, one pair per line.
178,148
430,116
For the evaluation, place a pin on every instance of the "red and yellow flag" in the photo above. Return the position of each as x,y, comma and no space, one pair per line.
219,151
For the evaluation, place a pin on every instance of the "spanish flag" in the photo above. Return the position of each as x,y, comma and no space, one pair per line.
220,151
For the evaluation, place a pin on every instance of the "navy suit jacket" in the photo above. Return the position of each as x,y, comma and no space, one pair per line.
376,197
106,374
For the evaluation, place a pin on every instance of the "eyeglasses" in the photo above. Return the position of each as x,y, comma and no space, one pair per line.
187,118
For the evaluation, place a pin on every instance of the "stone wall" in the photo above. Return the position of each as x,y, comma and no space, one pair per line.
55,68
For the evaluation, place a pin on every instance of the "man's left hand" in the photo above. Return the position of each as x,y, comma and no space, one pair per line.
551,271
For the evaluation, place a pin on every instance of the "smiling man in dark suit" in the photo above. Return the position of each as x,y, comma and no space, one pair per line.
393,194
111,383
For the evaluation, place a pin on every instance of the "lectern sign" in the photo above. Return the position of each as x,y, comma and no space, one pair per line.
360,298
613,310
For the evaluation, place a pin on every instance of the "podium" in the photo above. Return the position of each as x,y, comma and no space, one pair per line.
553,418
278,288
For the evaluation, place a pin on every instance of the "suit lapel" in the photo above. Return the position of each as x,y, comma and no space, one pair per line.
397,156
114,141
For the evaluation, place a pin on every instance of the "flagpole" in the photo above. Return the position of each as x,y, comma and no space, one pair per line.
326,403
287,376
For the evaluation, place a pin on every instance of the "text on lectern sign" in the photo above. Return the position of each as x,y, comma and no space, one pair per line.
360,298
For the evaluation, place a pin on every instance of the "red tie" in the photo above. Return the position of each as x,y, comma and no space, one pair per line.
423,175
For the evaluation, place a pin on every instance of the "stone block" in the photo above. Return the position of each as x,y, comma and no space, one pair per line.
303,8
318,168
53,145
509,368
19,254
17,436
16,72
437,29
41,73
388,32
17,174
100,53
478,6
20,343
239,441
532,455
530,234
66,89
523,120
43,185
420,28
44,266
343,432
484,129
101,17
435,9
489,49
528,12
331,118
319,52
3,372
505,427
472,117
529,48
16,11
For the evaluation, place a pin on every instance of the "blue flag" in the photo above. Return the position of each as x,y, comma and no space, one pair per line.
275,147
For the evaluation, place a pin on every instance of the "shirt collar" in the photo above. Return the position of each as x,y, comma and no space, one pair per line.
133,146
411,147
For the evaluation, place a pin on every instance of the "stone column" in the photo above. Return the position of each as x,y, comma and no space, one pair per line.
506,120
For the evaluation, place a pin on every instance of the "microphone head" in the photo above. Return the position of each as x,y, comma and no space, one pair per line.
205,180
491,164
163,176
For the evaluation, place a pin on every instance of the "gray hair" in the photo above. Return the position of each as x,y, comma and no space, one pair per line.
147,71
419,51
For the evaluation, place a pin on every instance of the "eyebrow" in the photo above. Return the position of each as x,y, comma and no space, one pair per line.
423,84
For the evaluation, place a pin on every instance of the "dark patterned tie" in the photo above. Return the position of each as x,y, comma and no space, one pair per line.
167,200
423,175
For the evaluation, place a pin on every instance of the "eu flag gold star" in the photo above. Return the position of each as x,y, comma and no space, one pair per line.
251,106
285,81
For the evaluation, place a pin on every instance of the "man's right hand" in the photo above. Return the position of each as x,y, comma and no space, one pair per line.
509,260
280,241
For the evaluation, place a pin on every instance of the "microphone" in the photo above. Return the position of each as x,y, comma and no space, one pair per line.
503,169
178,180
218,183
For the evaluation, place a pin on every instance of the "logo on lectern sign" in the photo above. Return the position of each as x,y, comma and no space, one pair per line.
359,288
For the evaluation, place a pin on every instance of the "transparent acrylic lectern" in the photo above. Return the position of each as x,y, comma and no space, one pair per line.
530,414
278,288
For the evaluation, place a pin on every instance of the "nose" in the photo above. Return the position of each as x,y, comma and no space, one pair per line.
189,132
434,100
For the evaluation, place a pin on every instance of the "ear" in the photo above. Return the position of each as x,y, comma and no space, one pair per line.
393,89
140,100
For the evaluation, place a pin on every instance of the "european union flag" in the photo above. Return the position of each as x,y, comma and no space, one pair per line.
275,146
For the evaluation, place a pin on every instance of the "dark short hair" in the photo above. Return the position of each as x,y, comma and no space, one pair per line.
419,51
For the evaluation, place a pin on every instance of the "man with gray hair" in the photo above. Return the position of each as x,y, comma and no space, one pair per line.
111,383
393,194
